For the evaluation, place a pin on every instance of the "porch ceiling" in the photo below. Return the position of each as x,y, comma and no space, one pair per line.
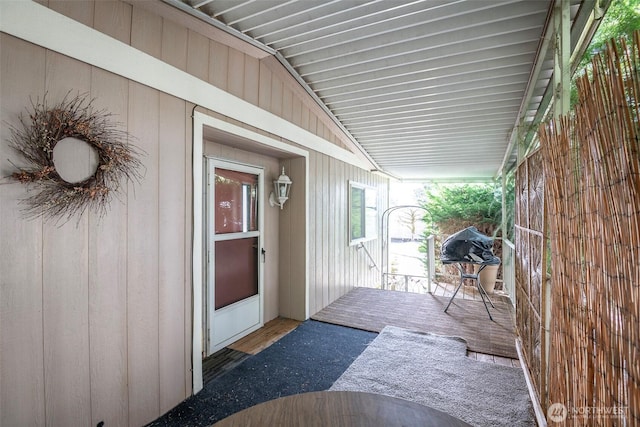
428,89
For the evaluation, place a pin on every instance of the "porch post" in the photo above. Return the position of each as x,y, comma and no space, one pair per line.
561,104
562,56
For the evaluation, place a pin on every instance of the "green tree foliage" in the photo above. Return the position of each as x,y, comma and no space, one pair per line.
509,205
621,19
456,206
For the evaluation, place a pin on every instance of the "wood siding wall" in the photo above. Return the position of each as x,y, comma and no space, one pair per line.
103,301
95,316
334,266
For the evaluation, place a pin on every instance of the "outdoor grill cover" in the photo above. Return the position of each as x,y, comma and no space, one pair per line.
469,245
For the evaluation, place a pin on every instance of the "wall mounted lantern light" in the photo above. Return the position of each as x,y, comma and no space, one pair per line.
281,187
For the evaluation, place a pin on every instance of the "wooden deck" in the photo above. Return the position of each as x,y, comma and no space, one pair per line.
443,289
373,309
271,332
277,328
471,293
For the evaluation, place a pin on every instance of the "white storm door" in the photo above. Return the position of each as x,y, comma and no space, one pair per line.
234,294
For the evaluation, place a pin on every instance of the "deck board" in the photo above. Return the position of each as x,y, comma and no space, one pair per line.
271,332
373,309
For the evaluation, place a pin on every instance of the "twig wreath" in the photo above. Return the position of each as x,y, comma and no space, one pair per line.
35,140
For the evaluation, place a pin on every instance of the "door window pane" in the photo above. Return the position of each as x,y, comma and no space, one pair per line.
236,201
236,270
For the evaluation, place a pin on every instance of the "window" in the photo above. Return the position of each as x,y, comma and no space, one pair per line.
363,213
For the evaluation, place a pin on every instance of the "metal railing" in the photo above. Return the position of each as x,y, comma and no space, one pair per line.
509,269
418,283
406,282
372,262
413,282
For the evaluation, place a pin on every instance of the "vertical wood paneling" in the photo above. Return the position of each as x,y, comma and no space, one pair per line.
198,56
351,251
106,343
264,87
320,129
189,51
108,281
319,239
350,277
341,230
298,241
287,104
331,235
146,32
284,266
113,18
218,65
174,44
355,254
276,95
313,124
78,11
235,77
172,201
315,275
21,329
65,284
296,107
271,241
251,79
227,152
142,271
211,149
311,224
326,209
327,134
346,267
304,116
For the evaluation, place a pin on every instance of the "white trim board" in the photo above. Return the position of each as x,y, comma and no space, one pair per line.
44,27
537,408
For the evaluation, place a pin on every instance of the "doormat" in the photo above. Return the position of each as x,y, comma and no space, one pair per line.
434,371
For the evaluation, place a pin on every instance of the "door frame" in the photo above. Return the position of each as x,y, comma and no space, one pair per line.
213,163
201,121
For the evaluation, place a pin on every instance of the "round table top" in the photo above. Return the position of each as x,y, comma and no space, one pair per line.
340,408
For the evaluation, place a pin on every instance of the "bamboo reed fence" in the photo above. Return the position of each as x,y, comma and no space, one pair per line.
530,270
592,190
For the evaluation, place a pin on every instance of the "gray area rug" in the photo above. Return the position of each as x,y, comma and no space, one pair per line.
435,371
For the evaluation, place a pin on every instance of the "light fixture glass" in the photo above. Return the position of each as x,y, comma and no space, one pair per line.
281,188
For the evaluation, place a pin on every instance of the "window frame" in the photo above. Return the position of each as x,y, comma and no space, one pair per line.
368,216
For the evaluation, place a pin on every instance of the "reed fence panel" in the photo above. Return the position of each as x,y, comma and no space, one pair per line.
591,162
530,271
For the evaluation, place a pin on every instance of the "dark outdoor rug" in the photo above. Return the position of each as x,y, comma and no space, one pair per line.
310,358
434,370
373,309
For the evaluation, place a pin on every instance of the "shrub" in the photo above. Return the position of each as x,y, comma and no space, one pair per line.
456,206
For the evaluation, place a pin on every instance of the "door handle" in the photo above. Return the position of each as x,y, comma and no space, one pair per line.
264,255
